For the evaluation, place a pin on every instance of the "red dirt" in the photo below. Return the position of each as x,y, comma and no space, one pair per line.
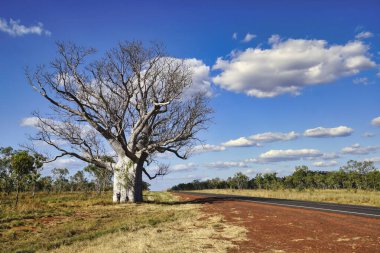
284,229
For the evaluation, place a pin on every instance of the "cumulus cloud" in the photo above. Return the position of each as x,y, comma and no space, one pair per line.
14,28
324,157
226,165
329,156
257,139
376,121
201,78
322,132
208,148
287,155
325,163
274,39
29,122
248,37
290,65
240,142
357,149
183,167
363,35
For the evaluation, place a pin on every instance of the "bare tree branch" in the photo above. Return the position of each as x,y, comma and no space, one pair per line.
130,101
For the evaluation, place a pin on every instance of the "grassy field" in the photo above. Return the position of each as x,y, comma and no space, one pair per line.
78,222
370,198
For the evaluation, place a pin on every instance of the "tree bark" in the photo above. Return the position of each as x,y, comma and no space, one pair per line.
134,191
128,181
119,184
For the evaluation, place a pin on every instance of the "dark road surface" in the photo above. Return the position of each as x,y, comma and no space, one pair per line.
367,211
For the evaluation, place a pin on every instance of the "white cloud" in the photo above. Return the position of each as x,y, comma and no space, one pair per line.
361,80
207,148
201,78
290,65
234,36
373,159
376,121
248,37
287,155
325,163
226,165
363,35
240,142
322,132
250,171
325,157
84,128
14,28
357,149
29,122
183,167
257,139
274,39
65,162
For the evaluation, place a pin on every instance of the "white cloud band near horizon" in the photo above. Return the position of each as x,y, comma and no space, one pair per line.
281,155
322,132
207,148
357,149
257,139
325,163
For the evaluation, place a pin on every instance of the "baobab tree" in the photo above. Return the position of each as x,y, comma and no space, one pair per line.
133,102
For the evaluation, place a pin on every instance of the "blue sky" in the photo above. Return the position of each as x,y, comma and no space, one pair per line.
276,70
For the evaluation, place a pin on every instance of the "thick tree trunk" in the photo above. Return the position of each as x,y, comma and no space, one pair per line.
127,185
119,184
134,189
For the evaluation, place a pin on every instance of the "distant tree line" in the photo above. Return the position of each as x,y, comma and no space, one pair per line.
354,175
21,172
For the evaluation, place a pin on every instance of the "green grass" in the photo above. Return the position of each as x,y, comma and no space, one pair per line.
51,220
359,197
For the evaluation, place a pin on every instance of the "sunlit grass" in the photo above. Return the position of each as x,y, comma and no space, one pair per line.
358,197
72,222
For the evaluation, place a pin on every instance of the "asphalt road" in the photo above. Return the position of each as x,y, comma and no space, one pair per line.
366,211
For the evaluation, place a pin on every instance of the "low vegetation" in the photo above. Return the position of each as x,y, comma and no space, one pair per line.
89,222
359,197
353,176
354,183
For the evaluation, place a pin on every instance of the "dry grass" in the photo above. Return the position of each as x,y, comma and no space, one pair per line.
77,222
191,232
370,198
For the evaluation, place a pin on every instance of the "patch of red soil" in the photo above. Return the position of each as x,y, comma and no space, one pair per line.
284,229
52,220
